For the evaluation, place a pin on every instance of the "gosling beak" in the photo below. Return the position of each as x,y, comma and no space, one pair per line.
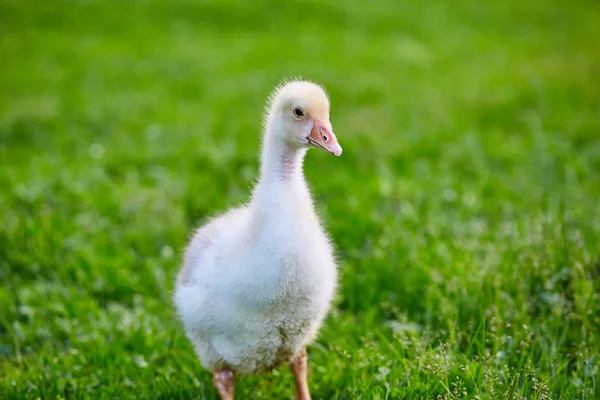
322,137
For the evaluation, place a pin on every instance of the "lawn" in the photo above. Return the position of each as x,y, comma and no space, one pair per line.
465,209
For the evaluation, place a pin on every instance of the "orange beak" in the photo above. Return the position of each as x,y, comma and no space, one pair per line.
322,137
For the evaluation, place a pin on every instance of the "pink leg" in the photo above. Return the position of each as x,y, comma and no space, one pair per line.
224,381
299,367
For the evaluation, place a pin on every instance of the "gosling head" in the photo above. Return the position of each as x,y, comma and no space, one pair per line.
298,115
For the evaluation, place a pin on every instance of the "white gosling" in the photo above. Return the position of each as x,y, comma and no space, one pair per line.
257,281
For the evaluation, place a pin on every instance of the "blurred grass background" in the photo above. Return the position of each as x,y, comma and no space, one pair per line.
465,207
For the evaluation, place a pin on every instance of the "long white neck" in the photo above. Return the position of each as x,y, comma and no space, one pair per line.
281,177
281,162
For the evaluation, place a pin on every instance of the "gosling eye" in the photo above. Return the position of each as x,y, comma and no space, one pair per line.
298,112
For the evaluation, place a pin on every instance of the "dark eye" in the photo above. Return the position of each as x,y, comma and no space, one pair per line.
298,112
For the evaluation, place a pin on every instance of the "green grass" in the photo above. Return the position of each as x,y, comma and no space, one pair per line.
465,208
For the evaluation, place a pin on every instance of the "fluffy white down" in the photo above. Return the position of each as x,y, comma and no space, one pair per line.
257,281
